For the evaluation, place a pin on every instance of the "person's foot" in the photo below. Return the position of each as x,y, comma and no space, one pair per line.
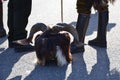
2,33
21,48
75,49
24,48
98,43
22,42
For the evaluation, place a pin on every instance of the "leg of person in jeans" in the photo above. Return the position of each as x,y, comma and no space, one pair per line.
2,30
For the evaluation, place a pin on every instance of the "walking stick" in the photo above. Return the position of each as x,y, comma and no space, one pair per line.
61,10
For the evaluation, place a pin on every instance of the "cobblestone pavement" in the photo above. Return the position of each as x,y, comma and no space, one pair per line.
94,64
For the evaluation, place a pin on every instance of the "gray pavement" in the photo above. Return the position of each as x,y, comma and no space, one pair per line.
94,64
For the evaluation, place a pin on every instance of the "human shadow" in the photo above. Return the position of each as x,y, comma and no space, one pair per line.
3,39
101,70
2,49
79,71
48,72
8,58
93,24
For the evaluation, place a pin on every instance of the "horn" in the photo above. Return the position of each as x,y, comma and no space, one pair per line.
70,29
35,28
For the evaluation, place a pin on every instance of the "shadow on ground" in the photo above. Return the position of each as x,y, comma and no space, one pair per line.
3,39
100,70
8,58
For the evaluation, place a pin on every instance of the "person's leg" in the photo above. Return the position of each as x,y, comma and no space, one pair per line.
18,13
10,22
2,30
103,17
84,10
22,9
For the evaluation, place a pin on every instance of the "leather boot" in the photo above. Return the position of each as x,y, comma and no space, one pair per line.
100,40
81,27
2,30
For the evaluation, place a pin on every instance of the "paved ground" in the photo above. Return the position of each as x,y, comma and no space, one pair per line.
94,64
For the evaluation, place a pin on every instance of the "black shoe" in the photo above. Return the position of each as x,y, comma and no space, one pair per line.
12,45
24,48
2,33
75,49
98,43
21,48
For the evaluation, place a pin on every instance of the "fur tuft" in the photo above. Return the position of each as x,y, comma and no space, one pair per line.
35,35
61,59
71,36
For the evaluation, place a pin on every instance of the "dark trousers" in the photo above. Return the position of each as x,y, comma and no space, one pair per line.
18,13
1,14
